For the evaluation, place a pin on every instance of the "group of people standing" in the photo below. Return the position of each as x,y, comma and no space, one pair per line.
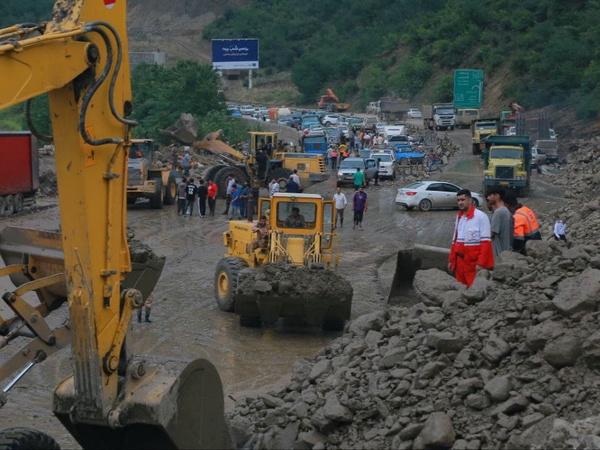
188,193
477,241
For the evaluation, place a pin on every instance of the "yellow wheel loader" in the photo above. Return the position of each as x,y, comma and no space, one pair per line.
286,268
113,399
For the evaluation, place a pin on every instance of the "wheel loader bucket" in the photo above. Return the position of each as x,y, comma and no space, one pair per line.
410,260
173,405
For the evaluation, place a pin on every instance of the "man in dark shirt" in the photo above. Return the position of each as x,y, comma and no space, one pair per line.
190,197
292,186
261,162
295,219
202,193
359,205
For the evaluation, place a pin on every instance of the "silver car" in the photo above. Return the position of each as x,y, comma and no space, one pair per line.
427,195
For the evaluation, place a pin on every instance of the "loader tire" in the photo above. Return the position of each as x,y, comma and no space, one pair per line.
26,438
18,203
282,175
2,206
156,201
211,174
170,190
10,204
226,278
223,174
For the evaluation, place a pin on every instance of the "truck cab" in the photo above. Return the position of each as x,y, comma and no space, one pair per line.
507,161
443,116
482,129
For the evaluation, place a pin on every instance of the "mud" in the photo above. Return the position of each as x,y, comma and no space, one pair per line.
187,323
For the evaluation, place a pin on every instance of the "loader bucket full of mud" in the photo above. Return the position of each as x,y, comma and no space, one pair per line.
419,257
316,295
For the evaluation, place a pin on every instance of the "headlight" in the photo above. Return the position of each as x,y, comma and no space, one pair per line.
487,177
340,174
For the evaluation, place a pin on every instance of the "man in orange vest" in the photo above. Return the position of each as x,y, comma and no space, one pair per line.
526,226
472,244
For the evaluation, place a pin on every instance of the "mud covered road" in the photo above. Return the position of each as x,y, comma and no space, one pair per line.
187,323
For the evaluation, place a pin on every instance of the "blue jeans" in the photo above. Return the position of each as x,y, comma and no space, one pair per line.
435,164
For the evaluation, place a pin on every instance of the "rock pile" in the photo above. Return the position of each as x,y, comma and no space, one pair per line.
512,362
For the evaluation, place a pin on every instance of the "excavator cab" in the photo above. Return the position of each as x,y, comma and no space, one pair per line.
114,399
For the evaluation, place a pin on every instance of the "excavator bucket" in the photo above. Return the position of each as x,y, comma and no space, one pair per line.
164,404
184,131
419,257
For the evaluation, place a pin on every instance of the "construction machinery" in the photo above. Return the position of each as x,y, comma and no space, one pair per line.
288,271
507,162
481,129
113,399
330,102
146,178
244,165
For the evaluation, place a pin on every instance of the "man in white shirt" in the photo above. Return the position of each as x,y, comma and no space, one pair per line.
228,193
340,206
296,178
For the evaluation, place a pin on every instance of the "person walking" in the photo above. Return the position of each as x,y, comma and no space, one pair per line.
377,167
181,190
358,179
502,221
190,197
526,226
228,194
147,306
186,162
340,205
359,206
213,190
471,249
560,229
434,161
202,194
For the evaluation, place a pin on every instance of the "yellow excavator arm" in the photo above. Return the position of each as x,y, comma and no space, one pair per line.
80,58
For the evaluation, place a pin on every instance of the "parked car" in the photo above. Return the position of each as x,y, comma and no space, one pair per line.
234,112
330,119
552,134
344,129
387,160
414,113
427,195
381,128
247,110
348,168
512,131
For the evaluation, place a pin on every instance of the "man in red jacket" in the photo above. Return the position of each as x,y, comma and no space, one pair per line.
472,243
212,197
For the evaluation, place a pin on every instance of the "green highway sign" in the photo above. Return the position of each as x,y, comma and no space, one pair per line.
468,88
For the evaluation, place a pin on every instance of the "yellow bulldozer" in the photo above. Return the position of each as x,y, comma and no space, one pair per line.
113,399
286,269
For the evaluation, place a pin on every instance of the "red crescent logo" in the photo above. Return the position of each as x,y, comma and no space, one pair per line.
109,3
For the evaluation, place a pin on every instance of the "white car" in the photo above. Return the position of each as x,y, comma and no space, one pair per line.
512,131
427,195
414,113
330,120
386,161
247,110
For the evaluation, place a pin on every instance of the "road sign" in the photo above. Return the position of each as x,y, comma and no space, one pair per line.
468,88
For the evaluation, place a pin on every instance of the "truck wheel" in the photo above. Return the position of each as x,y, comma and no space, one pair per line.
282,175
211,173
425,204
10,204
538,169
2,206
475,149
226,278
26,438
170,190
223,174
18,203
156,201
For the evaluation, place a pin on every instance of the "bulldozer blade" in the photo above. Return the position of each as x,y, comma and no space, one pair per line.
172,405
410,260
42,252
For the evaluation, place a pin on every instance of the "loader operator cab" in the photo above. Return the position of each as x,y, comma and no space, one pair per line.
141,148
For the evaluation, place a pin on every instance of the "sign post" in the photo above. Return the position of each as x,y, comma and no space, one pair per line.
468,88
234,54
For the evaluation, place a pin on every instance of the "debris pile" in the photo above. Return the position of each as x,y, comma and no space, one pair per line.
512,362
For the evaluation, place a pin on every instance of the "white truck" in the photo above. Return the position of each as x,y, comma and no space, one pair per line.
386,160
439,116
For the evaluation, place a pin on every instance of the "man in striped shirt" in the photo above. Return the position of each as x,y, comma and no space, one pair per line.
472,243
